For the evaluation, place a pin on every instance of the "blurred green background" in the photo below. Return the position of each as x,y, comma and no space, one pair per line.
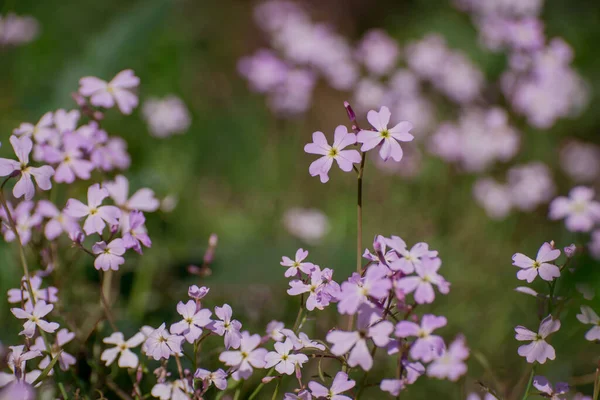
239,168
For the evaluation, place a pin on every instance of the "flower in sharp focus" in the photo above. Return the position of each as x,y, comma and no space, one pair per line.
369,326
408,259
24,187
356,290
340,384
538,350
579,210
217,378
426,347
175,390
541,265
282,360
34,316
297,265
388,138
118,90
315,288
227,327
97,215
193,321
161,344
422,284
247,357
141,200
65,360
122,349
109,256
553,393
588,316
450,364
344,158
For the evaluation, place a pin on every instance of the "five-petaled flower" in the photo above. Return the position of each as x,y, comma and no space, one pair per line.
553,393
344,158
451,363
387,137
538,350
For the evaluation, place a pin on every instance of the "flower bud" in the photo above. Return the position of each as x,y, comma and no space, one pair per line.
570,250
197,293
350,111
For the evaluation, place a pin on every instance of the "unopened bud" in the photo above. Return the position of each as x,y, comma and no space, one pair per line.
570,250
139,374
268,379
350,111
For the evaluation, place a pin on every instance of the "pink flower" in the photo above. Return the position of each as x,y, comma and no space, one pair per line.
65,360
282,360
274,330
197,293
25,220
475,396
340,384
541,265
217,378
246,357
408,259
142,200
422,284
34,316
538,350
122,350
161,344
58,223
302,341
579,210
134,231
556,393
344,158
193,321
230,328
66,121
49,294
118,90
413,371
389,137
108,256
71,161
450,364
176,390
96,215
24,187
296,266
318,296
16,362
39,132
588,316
356,290
426,347
368,327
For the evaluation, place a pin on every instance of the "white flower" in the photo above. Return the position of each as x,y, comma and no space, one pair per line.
127,358
281,358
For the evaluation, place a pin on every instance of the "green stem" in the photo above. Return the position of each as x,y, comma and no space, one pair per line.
63,391
528,388
359,244
259,387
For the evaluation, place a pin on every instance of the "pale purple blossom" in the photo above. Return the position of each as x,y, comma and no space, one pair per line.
307,224
58,221
422,283
580,161
296,266
193,321
122,350
25,218
40,132
475,396
109,256
49,294
65,360
541,265
161,344
341,383
141,200
301,341
34,315
594,244
579,210
16,362
284,361
274,330
217,378
538,350
134,231
387,137
248,356
24,187
588,316
105,94
179,389
553,393
356,290
378,52
166,116
344,158
97,215
427,346
315,289
227,327
451,363
71,162
197,293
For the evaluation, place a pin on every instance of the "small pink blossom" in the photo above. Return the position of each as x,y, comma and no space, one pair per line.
141,200
247,357
579,210
274,329
34,316
118,90
39,132
541,265
422,284
24,187
297,265
357,290
283,359
340,384
227,327
388,138
217,378
58,222
122,350
134,231
49,294
70,160
426,347
97,215
193,321
538,350
175,390
451,363
109,256
543,385
65,360
344,158
161,344
588,316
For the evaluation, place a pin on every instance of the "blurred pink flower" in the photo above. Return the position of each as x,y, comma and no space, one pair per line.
118,90
580,211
